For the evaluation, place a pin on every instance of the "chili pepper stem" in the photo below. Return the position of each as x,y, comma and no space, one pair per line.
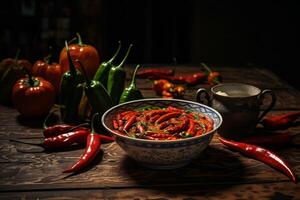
125,58
71,65
206,67
134,74
79,39
117,52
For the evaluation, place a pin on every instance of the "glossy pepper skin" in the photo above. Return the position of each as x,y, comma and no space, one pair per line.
87,54
280,121
70,92
262,155
52,72
131,92
33,96
101,74
96,93
116,80
93,147
15,71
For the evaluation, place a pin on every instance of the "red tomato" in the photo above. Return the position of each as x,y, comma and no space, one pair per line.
25,63
51,72
7,62
86,54
33,96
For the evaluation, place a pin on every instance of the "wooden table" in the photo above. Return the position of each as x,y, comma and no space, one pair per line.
217,174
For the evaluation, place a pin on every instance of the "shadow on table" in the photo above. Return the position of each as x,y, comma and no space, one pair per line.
214,167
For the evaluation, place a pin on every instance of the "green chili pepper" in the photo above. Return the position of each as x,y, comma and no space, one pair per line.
116,80
70,92
101,74
13,73
96,94
131,92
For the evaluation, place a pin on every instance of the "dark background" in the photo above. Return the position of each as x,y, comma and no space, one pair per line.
219,33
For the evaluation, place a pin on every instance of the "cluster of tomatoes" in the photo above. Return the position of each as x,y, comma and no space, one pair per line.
33,89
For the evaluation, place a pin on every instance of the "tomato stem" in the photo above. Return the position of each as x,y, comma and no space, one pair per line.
17,55
79,39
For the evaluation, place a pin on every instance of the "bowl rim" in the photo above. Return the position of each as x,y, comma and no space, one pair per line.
160,141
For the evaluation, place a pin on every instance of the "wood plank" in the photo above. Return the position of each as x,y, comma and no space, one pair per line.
216,165
282,191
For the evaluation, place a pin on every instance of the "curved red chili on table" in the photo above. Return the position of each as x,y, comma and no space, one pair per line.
263,155
93,147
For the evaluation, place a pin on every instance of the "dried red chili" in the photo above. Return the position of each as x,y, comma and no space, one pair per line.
213,77
163,123
280,121
263,155
154,73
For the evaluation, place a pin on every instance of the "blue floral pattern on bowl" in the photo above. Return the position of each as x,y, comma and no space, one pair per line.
162,154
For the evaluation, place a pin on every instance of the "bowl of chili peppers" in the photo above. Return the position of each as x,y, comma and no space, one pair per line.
162,133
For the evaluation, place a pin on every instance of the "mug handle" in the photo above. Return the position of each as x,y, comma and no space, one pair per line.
207,99
272,104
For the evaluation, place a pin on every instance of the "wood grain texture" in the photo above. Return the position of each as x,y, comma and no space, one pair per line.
217,173
266,191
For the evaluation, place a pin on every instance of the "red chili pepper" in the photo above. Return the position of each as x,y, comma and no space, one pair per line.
58,129
154,118
157,112
154,73
167,116
179,127
141,128
166,94
262,155
280,121
213,78
61,141
191,130
163,125
93,146
195,79
115,124
129,122
66,139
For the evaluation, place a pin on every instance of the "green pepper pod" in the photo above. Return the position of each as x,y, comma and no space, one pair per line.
116,80
101,74
96,94
70,92
131,92
12,74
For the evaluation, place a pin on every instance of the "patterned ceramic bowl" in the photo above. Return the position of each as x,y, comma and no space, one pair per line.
162,154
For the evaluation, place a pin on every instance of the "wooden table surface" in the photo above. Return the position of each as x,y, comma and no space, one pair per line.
217,174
